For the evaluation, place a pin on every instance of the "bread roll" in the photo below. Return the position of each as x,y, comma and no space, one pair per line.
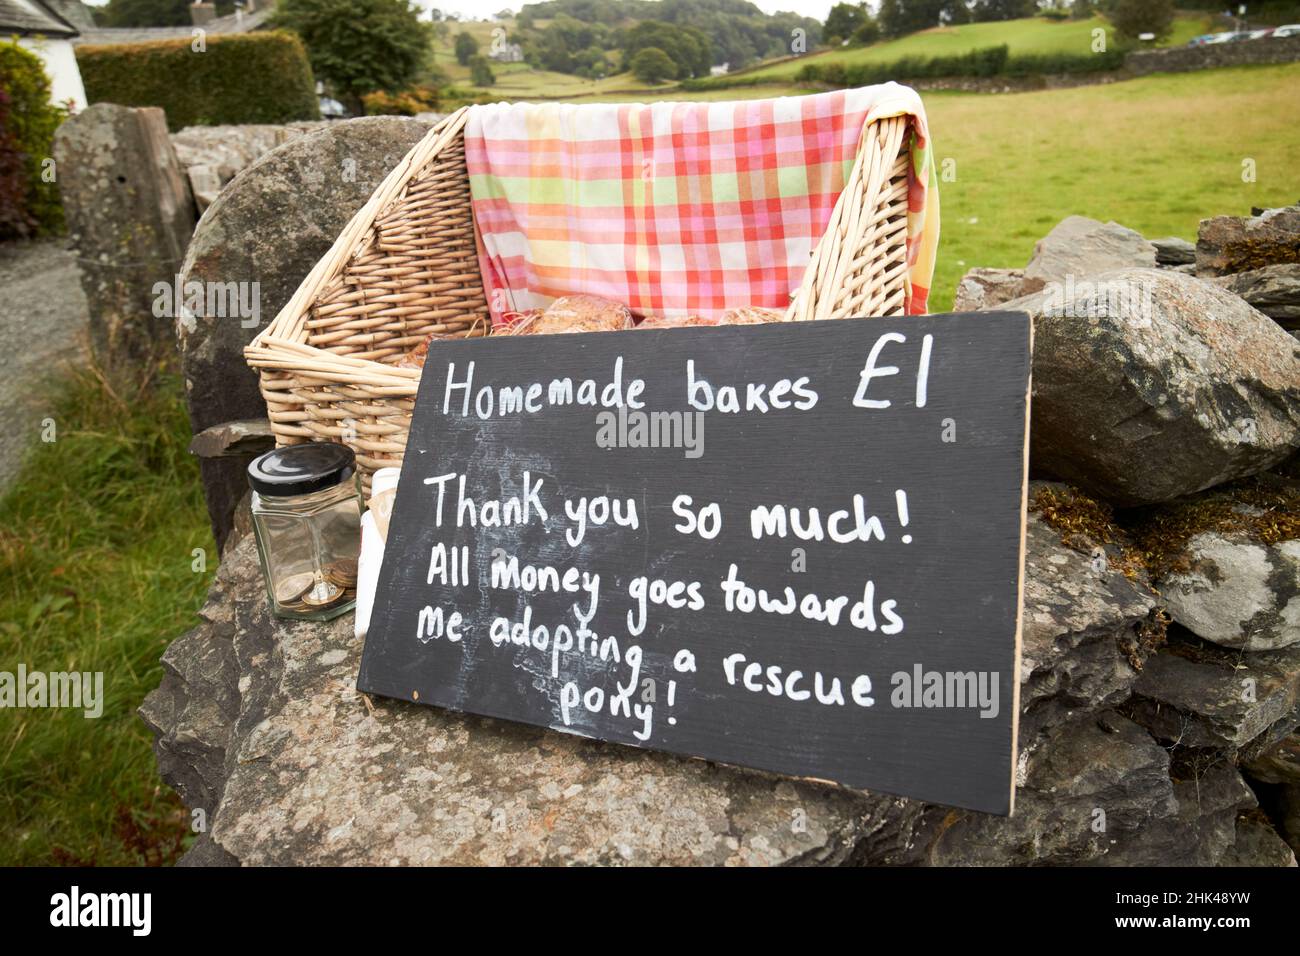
577,313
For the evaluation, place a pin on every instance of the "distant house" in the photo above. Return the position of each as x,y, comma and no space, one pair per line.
43,27
507,53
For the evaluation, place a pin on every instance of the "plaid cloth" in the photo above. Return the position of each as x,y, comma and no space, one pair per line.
677,208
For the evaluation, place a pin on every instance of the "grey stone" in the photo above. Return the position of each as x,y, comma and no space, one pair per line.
1149,385
1079,247
234,439
1172,251
269,226
130,216
1279,765
1197,695
1273,290
1081,644
1257,843
1227,244
1094,791
1236,591
205,183
989,288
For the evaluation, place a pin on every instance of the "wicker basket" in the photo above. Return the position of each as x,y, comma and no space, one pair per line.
406,267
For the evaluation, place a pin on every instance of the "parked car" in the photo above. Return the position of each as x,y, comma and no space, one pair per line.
1259,34
1220,37
1289,30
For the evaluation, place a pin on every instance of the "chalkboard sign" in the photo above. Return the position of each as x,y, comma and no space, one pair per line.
796,547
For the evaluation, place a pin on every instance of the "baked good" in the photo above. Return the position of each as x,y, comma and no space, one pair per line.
675,322
577,313
750,315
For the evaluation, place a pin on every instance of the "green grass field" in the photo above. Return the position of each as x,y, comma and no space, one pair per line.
1033,35
97,574
1156,154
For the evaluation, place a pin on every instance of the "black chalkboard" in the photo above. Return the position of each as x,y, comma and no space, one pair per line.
907,651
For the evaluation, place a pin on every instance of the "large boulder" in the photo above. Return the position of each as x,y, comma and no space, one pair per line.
1079,247
1149,384
266,230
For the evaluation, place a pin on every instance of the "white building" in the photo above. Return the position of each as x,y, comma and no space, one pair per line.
49,35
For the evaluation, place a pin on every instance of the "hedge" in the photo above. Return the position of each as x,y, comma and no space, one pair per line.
244,78
29,201
990,61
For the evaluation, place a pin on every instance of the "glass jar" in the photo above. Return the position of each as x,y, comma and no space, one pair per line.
307,520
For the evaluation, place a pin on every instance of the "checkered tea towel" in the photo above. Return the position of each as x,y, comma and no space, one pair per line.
678,208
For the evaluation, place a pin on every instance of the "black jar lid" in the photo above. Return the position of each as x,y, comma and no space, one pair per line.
301,469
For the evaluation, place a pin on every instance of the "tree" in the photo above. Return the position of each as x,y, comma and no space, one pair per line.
1132,18
843,21
359,46
480,72
153,13
686,46
652,65
466,48
868,32
985,11
901,17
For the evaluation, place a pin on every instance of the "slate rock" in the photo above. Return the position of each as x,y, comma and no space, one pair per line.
1197,695
1172,251
1079,247
1149,385
1279,765
269,226
1080,642
989,288
1257,843
1273,290
1227,244
1091,792
1236,591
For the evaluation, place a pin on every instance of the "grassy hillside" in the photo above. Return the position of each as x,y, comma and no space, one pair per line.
519,81
1033,35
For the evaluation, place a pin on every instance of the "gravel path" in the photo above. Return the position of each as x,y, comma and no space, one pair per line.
42,329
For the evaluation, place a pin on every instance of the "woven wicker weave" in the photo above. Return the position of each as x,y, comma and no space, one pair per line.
406,267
